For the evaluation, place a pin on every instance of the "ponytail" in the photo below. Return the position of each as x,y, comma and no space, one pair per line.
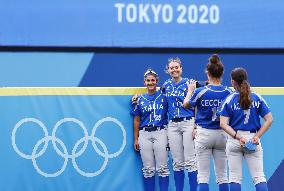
245,99
240,76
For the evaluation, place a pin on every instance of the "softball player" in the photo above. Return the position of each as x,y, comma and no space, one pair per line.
210,139
150,133
180,127
240,119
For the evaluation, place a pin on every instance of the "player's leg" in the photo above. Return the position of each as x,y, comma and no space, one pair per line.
176,147
190,162
148,160
203,155
235,157
220,159
255,166
161,156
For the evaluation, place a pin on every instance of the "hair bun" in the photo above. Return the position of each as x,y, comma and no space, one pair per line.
214,59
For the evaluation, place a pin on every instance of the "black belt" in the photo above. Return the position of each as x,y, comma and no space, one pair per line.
153,128
253,131
180,119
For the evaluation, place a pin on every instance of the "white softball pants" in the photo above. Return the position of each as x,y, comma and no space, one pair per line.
254,159
154,154
182,145
211,142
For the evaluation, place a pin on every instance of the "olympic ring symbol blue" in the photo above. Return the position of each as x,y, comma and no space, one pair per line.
64,154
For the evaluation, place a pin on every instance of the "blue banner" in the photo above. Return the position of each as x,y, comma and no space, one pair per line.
98,69
67,143
82,139
147,23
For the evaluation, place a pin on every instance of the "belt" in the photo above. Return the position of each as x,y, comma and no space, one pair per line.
153,128
253,131
180,119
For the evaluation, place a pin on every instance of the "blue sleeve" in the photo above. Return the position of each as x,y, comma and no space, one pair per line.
132,109
136,110
193,99
263,108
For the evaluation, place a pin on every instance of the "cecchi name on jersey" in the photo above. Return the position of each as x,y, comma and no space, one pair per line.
236,106
211,102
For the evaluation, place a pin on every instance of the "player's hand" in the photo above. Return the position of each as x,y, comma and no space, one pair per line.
136,145
191,86
255,139
194,133
134,99
242,141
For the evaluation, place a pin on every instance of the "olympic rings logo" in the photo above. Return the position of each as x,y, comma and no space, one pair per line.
74,154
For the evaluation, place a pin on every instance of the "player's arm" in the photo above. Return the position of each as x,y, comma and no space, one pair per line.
136,122
191,88
268,119
194,132
224,124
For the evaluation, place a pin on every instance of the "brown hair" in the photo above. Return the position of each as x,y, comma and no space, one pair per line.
148,72
215,67
240,76
176,59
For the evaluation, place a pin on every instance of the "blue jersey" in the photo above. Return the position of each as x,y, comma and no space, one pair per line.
247,120
207,99
152,110
175,93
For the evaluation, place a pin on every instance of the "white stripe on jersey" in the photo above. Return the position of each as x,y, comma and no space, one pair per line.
226,89
261,98
228,99
200,94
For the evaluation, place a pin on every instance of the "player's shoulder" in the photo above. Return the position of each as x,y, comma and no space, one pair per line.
199,92
160,92
227,89
185,80
141,97
167,83
183,84
161,95
219,88
201,89
256,96
231,97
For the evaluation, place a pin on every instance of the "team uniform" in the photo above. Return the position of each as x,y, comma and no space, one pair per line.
180,127
210,139
152,110
246,123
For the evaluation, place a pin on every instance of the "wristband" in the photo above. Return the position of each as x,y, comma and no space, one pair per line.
235,136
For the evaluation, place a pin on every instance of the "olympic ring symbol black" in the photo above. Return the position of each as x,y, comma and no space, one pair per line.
74,154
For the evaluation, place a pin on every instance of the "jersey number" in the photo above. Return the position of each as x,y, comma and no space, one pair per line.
214,115
247,114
